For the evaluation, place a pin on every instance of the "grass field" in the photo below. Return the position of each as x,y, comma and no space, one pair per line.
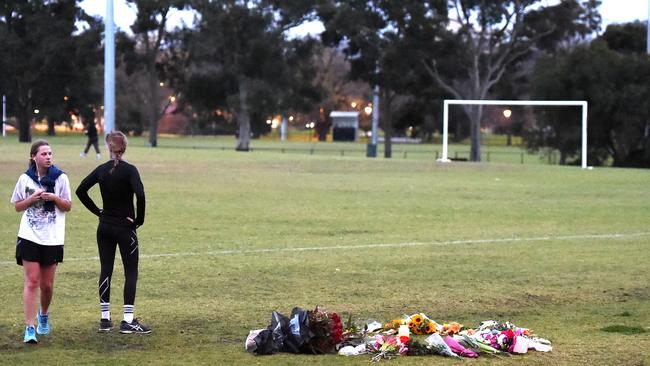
230,236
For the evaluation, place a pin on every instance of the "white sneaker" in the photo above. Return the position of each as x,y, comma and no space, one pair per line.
98,156
82,154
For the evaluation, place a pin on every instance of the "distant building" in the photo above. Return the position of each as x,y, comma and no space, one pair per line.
345,125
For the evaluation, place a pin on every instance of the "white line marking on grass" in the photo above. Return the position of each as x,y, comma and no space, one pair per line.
374,246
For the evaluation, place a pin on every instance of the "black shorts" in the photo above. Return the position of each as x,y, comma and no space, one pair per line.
32,252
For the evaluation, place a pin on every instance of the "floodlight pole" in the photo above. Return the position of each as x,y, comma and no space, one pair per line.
4,115
447,102
371,150
109,69
584,135
648,28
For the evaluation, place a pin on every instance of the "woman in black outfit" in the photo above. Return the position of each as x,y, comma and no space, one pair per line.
118,182
91,132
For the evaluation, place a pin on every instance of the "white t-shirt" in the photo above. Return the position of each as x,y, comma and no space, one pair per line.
37,225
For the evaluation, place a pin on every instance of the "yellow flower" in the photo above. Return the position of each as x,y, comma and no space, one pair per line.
417,318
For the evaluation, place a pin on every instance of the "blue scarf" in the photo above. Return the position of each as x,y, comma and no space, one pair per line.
47,182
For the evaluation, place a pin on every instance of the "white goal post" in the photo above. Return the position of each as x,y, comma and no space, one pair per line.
447,102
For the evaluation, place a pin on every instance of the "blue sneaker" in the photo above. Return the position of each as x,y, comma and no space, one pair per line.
30,334
134,327
43,324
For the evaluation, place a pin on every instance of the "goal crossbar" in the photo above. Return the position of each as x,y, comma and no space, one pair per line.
447,102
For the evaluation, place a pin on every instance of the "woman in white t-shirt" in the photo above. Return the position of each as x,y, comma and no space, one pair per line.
42,193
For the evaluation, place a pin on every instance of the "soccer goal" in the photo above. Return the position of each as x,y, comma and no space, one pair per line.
447,102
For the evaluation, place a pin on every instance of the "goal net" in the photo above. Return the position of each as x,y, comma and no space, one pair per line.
448,102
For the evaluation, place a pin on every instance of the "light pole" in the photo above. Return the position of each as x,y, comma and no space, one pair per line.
371,150
4,115
283,128
109,69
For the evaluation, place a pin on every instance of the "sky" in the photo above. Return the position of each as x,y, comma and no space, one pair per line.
124,15
612,11
623,11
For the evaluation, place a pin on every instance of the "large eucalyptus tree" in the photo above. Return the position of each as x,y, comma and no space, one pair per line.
45,61
484,39
243,62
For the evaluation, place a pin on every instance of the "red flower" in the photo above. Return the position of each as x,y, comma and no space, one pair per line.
337,328
508,333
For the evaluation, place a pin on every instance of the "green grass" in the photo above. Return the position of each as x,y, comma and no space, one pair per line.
230,236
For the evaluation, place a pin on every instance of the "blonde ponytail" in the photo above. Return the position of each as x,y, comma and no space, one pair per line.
116,142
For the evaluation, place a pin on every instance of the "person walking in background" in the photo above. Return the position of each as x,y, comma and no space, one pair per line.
118,182
42,194
91,132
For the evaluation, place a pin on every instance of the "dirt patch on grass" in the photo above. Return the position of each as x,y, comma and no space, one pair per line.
623,329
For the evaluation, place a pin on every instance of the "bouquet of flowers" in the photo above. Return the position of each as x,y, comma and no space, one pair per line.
421,324
327,329
319,331
451,328
510,338
388,346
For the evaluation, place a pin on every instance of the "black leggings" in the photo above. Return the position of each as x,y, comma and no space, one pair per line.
108,238
92,141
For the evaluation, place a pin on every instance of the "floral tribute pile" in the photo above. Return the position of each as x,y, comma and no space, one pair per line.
319,331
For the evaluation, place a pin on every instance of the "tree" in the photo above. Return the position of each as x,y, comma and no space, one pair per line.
339,91
616,86
379,39
84,89
626,38
488,37
242,61
150,31
42,58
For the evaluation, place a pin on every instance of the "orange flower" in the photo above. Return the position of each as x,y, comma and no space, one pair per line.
394,324
451,328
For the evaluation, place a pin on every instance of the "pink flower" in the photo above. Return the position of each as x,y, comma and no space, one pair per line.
392,340
458,348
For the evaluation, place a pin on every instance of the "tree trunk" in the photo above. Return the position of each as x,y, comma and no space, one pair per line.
50,127
428,128
243,117
24,122
387,122
388,143
154,113
388,137
475,123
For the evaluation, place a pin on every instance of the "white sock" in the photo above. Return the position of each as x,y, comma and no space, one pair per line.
128,313
105,308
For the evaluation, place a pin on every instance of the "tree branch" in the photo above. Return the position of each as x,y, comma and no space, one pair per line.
433,72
